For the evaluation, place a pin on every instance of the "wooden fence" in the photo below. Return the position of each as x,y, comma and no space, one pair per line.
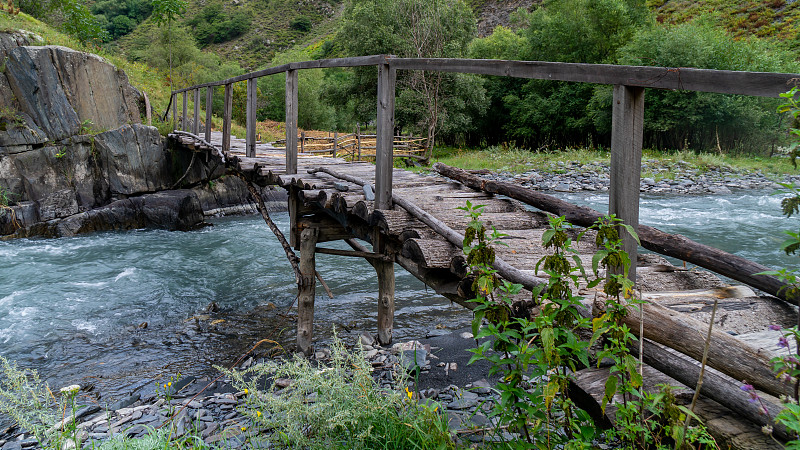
629,84
357,146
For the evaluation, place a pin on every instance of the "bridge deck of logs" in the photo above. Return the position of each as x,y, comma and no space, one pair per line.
325,206
413,220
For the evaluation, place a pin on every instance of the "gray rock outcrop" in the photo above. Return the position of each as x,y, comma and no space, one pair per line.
74,156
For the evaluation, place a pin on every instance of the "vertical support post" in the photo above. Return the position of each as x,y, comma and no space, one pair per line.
227,113
385,271
358,138
626,163
185,111
384,160
305,301
250,147
335,139
196,124
174,111
209,105
291,120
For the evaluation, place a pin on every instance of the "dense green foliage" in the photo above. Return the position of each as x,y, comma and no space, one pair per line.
427,103
120,17
214,25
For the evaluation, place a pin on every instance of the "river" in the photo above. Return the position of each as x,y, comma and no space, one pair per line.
74,308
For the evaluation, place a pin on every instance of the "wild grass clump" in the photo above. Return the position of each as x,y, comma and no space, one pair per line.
26,399
337,406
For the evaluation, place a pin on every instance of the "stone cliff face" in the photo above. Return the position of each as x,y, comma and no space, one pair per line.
74,156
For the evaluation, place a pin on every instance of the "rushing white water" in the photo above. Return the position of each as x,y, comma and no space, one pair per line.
72,307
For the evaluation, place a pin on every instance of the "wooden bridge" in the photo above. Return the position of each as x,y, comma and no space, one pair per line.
412,219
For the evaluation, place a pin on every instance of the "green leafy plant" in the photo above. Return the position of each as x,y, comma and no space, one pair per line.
546,347
788,366
337,405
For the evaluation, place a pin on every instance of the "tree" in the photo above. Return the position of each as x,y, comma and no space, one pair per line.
417,29
166,11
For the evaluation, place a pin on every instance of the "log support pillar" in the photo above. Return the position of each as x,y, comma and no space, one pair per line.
227,113
305,301
385,271
626,163
252,89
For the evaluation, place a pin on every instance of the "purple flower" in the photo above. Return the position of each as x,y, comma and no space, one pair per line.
783,342
774,327
751,391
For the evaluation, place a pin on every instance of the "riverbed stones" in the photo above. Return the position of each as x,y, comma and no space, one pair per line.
670,177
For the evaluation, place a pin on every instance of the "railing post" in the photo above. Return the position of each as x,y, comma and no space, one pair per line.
209,104
174,111
335,138
385,136
358,138
227,113
252,88
626,163
302,142
291,120
185,110
196,124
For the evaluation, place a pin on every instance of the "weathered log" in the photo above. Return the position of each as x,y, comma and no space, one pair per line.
733,357
305,301
676,246
504,269
725,391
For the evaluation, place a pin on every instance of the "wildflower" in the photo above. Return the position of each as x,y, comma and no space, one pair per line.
169,384
244,429
767,430
751,391
71,389
775,327
258,413
409,393
246,391
783,342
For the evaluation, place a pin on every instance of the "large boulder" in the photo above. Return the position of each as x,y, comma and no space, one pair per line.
66,92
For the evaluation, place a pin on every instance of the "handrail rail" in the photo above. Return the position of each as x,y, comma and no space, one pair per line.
627,108
760,84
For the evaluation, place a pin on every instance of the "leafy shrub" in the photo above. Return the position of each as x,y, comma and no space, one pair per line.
349,409
214,25
701,120
302,24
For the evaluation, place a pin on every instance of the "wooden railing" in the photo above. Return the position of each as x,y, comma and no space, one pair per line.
357,146
627,114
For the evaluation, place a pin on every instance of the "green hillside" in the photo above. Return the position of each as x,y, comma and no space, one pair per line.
762,18
249,32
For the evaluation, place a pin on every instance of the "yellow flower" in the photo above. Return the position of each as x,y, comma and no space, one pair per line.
169,384
244,429
258,413
409,393
245,391
165,386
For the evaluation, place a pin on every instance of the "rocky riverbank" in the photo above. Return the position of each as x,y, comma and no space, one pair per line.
212,410
675,177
